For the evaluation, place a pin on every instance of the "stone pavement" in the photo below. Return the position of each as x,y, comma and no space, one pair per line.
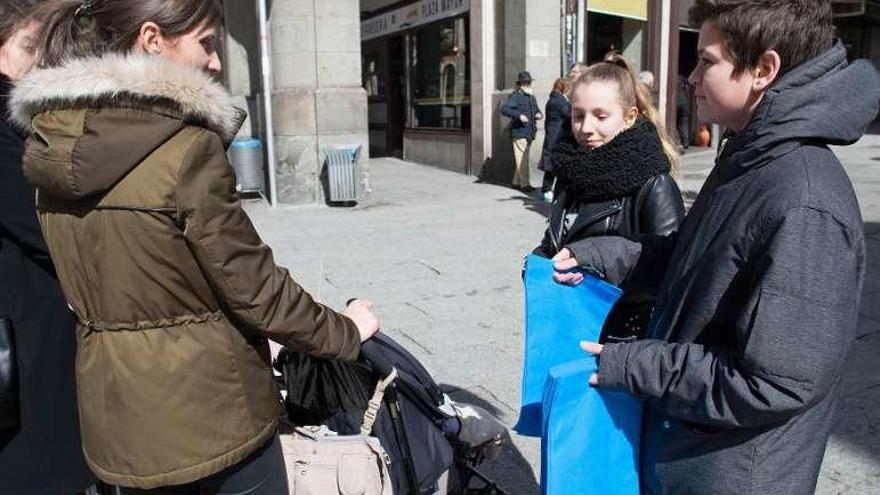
440,254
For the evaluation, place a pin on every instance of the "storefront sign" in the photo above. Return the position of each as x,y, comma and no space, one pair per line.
416,14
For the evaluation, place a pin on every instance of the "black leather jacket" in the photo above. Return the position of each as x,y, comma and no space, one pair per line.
656,208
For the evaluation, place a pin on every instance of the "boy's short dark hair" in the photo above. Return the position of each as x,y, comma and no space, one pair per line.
798,30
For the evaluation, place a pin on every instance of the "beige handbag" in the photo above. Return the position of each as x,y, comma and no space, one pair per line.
320,462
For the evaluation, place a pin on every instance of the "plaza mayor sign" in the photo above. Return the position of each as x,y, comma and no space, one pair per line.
416,14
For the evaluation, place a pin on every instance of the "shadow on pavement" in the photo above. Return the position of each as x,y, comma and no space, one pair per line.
857,424
511,470
532,202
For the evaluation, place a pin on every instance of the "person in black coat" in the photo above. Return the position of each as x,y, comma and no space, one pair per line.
42,453
683,111
613,177
557,112
523,110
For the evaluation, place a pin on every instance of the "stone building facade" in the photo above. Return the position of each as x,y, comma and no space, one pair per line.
423,80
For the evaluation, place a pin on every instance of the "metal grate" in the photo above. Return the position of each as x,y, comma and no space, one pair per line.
341,172
246,157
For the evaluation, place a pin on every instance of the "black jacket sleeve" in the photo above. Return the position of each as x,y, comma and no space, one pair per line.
661,208
545,249
645,255
792,335
610,257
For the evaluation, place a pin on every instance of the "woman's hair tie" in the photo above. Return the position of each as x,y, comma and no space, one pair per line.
86,7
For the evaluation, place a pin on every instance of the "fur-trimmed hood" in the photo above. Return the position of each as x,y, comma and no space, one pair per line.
116,78
94,120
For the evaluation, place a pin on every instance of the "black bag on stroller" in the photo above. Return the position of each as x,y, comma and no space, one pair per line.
434,444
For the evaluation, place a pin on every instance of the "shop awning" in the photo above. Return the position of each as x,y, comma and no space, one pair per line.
633,9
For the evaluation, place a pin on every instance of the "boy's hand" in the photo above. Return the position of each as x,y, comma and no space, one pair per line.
539,116
360,311
563,262
592,349
523,119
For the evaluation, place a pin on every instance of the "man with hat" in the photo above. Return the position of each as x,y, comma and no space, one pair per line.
522,107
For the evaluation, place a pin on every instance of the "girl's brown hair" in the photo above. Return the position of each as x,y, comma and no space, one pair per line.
562,85
83,28
615,68
15,15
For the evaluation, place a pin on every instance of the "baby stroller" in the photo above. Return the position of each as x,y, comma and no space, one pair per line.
434,443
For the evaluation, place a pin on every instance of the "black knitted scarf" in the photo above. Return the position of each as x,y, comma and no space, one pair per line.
616,169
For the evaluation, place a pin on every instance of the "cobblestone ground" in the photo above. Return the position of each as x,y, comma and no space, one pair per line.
440,254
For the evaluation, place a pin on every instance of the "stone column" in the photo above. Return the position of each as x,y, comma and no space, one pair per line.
242,60
531,41
317,97
482,47
663,60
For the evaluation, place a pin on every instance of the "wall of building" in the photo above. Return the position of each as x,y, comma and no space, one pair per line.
633,42
484,74
242,61
373,5
317,96
531,41
448,150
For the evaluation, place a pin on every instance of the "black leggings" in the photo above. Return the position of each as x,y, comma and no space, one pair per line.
262,473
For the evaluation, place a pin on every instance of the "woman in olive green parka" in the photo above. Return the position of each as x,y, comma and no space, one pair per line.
173,289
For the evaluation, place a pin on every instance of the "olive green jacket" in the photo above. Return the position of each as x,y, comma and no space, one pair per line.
174,291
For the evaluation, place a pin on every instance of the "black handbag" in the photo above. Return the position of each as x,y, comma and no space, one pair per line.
8,377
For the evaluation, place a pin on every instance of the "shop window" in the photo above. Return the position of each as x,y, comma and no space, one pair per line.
606,35
373,76
439,75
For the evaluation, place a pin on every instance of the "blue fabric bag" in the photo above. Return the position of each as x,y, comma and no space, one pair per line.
590,443
558,317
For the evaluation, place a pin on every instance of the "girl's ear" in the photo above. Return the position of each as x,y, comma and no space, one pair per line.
631,115
150,39
766,71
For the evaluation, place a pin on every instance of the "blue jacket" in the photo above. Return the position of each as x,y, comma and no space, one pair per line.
557,112
521,103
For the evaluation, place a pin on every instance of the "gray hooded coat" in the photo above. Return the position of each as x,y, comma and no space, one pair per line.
759,298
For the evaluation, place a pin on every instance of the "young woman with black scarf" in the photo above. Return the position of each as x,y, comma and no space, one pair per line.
614,167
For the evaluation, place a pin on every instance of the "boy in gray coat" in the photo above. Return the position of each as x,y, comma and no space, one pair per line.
758,292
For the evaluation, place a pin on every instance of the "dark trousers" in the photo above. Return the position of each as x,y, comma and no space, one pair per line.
684,126
547,185
263,473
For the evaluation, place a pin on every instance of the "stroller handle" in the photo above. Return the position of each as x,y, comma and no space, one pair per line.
371,353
